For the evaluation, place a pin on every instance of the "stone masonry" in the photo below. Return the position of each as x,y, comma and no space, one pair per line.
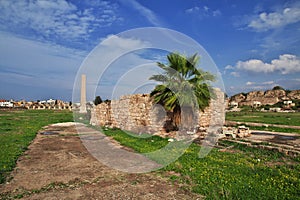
137,113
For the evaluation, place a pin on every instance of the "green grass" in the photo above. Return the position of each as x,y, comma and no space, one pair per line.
18,129
248,173
143,144
292,119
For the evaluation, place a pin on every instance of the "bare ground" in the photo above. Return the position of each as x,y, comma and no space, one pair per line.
59,167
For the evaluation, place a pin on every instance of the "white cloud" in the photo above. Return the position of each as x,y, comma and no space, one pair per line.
250,86
216,13
116,42
250,83
146,12
30,64
229,67
254,66
56,18
33,56
114,58
203,12
266,21
286,64
268,83
235,74
290,83
192,10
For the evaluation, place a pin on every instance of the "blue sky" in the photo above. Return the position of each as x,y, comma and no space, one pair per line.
255,44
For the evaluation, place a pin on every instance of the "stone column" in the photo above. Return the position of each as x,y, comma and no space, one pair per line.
83,94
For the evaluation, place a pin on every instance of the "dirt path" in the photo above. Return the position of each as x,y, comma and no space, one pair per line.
58,166
292,139
233,123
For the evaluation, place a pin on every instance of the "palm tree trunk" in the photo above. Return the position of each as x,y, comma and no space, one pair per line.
188,118
176,118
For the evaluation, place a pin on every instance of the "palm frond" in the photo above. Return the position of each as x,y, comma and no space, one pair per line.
183,83
159,77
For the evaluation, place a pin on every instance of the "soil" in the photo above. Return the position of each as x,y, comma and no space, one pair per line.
291,139
58,166
234,123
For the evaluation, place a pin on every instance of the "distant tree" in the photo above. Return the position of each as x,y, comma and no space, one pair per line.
278,88
288,91
97,100
107,101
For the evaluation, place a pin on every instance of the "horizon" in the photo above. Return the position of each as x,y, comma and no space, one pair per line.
254,44
88,101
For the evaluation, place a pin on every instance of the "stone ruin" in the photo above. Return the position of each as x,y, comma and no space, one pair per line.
138,113
235,132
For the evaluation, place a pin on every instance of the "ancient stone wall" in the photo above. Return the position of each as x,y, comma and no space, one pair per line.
139,114
215,113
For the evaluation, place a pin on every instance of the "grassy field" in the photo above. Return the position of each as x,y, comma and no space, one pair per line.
292,119
242,173
18,129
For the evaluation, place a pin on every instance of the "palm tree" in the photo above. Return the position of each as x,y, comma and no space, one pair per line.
184,88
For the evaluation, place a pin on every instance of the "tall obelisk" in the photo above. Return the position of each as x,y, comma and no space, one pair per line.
83,95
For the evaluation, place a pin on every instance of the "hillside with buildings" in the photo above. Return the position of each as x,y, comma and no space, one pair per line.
277,97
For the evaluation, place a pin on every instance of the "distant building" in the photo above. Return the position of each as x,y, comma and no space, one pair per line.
233,104
5,103
288,103
233,107
49,104
256,104
50,101
275,109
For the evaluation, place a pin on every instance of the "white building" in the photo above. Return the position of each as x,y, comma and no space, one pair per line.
287,102
51,101
256,103
233,104
275,109
6,104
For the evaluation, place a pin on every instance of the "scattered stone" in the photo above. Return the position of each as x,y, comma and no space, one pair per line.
233,132
243,131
